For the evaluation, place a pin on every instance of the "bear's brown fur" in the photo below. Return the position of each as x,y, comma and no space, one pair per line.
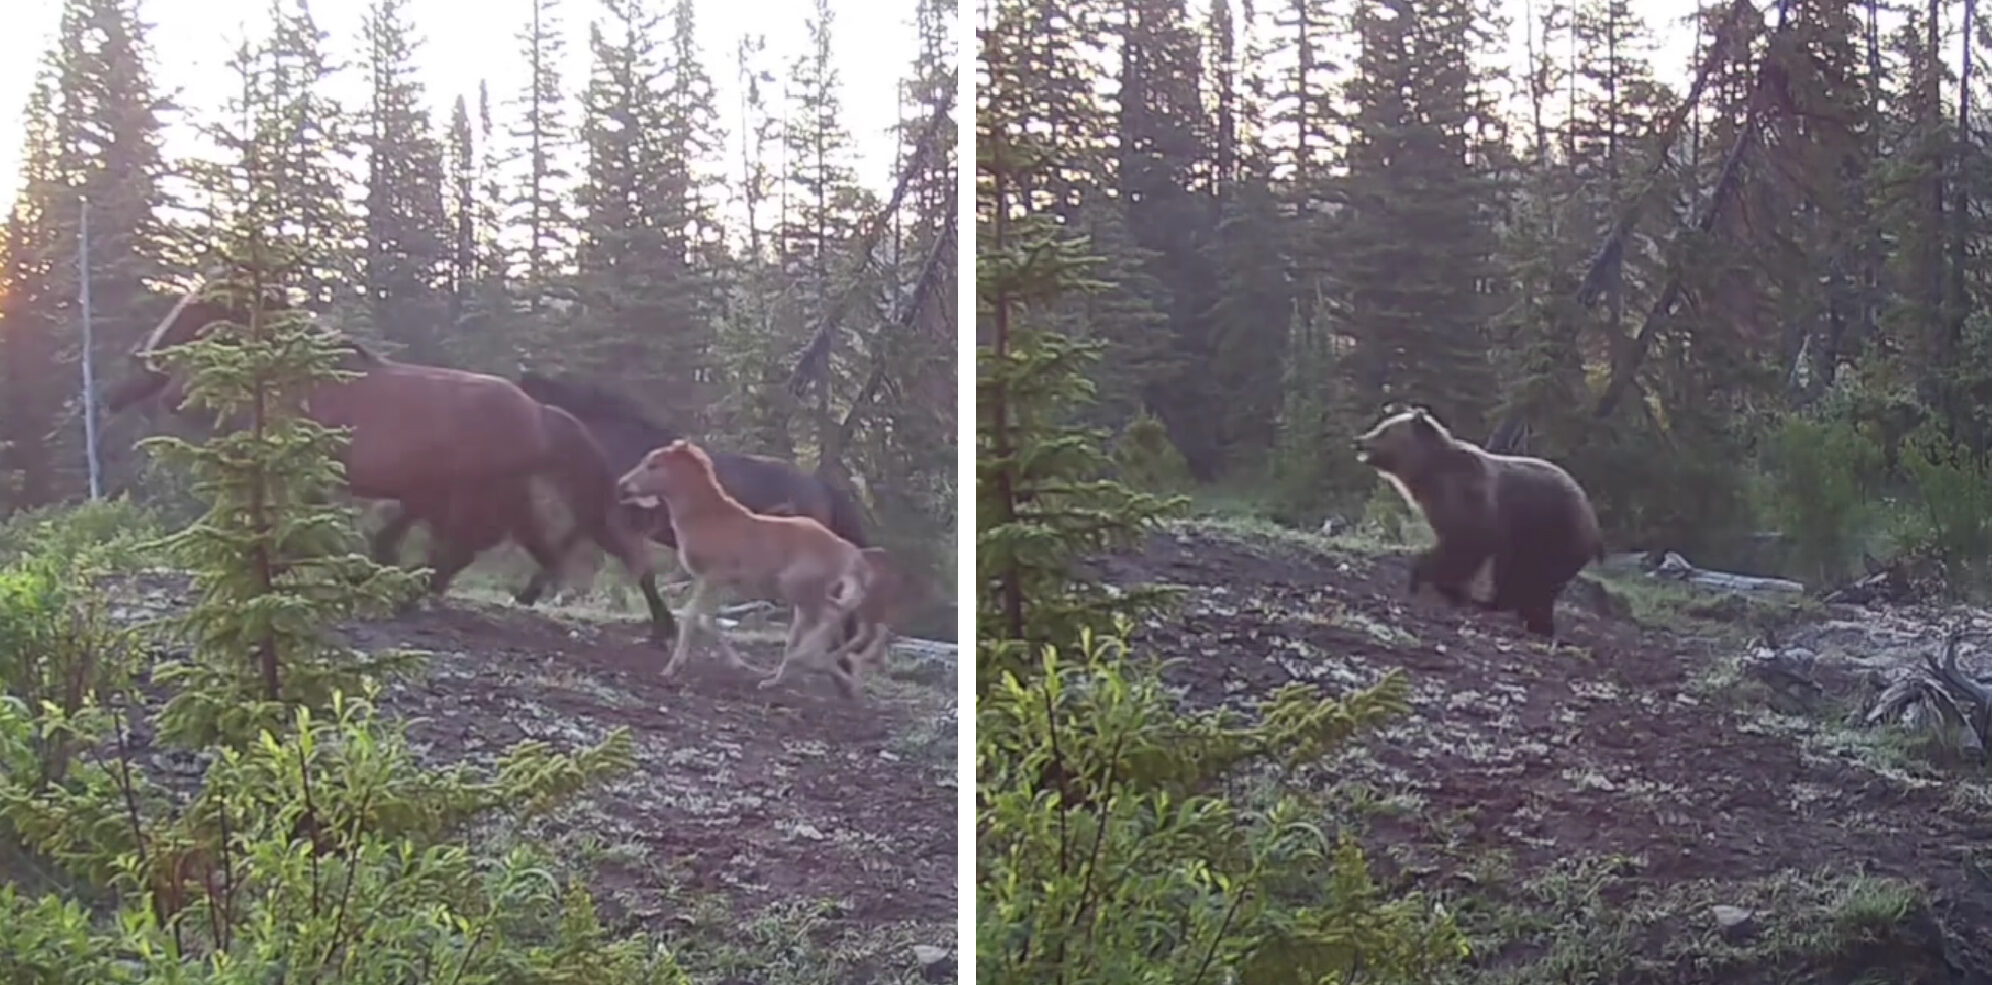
1525,517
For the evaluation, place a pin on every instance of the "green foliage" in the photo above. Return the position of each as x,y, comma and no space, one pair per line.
1131,865
58,653
1041,505
1820,475
1146,456
315,852
274,564
1308,466
104,535
1954,493
1305,420
1687,488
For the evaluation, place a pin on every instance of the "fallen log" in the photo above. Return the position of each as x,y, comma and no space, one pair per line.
1674,567
1938,694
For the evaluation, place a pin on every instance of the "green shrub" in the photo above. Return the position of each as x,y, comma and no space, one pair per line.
1819,482
1147,458
108,534
1111,851
1953,519
322,853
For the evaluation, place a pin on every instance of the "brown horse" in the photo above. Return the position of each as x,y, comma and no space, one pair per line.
454,448
765,485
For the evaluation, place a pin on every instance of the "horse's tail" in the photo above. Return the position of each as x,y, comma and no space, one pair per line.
844,516
589,488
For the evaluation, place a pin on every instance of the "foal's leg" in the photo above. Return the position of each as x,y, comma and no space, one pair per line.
693,616
795,641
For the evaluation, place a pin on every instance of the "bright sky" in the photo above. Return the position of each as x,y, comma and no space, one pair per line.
463,42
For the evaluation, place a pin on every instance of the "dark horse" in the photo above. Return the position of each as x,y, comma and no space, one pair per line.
762,484
456,449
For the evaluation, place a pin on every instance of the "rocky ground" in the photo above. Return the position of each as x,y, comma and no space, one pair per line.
1630,806
782,836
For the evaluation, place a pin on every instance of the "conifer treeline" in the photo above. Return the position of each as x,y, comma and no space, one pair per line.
794,313
1303,208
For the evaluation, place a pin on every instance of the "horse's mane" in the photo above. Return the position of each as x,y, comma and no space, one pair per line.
587,400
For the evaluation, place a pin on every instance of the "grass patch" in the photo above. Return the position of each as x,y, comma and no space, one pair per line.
1685,609
1600,919
795,942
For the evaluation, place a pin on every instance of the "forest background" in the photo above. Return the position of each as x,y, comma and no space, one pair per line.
721,235
1740,287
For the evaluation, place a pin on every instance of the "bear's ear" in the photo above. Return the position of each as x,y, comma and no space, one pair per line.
1391,409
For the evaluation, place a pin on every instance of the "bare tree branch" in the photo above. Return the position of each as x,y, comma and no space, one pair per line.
812,361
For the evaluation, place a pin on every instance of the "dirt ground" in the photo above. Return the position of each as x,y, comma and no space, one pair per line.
1587,809
783,836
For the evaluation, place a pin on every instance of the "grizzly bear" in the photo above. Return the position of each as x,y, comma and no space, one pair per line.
1522,520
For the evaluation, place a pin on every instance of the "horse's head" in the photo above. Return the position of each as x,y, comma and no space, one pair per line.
189,319
671,472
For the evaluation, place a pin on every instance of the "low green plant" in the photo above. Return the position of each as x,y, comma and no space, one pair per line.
1820,473
1111,851
1953,521
1147,458
106,535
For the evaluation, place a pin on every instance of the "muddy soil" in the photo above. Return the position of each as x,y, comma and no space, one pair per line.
1521,759
786,835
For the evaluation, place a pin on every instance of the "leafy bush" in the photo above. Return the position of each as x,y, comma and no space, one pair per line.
1111,852
1819,478
1954,494
321,851
105,535
1147,458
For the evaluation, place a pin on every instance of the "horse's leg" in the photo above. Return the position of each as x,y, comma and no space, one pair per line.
693,616
516,503
633,553
547,572
656,608
792,646
386,546
449,555
811,641
862,649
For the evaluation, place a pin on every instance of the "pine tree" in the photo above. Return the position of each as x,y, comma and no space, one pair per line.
32,306
1414,245
824,213
536,203
1162,169
311,144
463,216
93,134
405,247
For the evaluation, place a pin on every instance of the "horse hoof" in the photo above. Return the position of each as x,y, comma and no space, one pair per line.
767,683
